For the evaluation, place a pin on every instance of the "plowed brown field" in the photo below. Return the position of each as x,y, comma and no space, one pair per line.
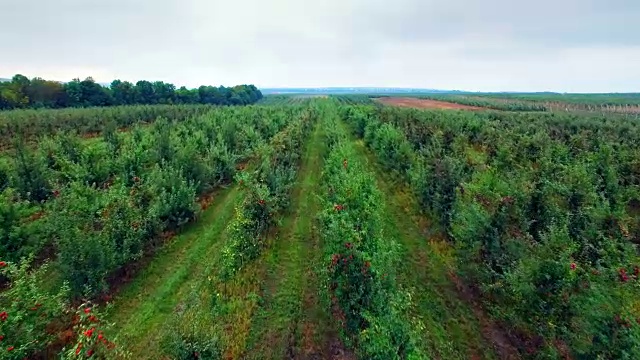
424,104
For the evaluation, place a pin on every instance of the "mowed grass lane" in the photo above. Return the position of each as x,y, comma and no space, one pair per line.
270,309
291,323
146,304
261,311
452,327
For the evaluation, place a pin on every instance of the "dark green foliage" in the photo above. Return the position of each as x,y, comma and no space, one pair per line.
172,197
191,348
30,174
361,289
31,124
110,199
435,180
268,192
23,93
27,310
18,239
4,174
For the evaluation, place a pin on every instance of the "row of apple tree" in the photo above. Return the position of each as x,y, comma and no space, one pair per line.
359,258
543,210
29,125
267,185
95,207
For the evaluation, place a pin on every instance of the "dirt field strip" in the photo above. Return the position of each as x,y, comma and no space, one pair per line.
290,324
145,304
424,104
452,329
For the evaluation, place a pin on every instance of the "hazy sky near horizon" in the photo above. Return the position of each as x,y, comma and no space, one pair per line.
490,45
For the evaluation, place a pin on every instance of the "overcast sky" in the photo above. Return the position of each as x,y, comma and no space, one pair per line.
488,45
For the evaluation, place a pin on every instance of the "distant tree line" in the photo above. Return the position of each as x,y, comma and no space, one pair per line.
20,93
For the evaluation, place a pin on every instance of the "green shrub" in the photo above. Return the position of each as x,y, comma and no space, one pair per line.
27,312
267,184
31,177
18,238
360,287
172,197
93,337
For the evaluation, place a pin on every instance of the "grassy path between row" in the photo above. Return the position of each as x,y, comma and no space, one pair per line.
452,328
145,305
290,323
270,308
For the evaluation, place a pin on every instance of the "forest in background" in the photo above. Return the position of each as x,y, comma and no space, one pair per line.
22,93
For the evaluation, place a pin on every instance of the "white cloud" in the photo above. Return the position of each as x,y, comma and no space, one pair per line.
561,45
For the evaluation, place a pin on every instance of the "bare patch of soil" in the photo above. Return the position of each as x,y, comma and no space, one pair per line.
205,201
424,104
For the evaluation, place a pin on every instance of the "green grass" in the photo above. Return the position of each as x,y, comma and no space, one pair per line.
146,304
291,322
268,310
452,330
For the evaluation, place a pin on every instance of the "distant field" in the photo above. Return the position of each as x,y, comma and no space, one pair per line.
604,103
424,103
623,104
